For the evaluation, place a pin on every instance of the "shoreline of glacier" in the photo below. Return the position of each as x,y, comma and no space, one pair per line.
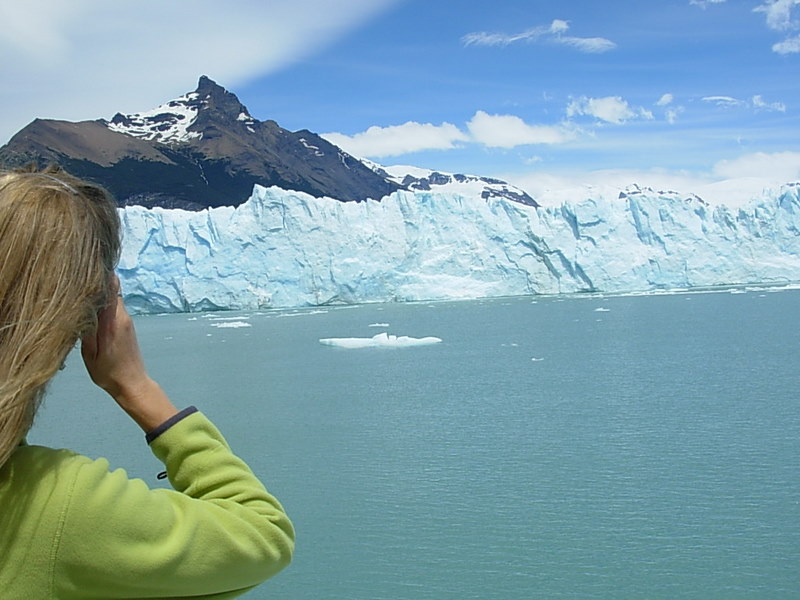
285,249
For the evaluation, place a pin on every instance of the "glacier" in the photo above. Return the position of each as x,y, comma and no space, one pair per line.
288,249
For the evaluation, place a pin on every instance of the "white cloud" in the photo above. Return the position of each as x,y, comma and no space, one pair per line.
559,26
777,166
611,109
508,131
779,14
723,101
780,17
595,45
790,45
491,131
552,33
672,114
89,58
759,104
665,100
483,38
399,139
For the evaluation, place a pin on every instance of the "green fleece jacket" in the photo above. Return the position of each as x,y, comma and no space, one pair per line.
71,529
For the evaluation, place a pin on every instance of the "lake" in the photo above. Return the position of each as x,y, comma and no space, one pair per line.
548,447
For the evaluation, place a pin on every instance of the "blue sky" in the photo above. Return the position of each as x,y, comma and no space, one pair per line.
543,93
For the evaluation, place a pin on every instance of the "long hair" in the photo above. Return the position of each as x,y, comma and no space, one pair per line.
59,245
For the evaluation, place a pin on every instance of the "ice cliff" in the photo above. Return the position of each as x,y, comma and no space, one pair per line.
282,248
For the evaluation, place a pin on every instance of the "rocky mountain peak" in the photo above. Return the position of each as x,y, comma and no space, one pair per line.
218,102
183,119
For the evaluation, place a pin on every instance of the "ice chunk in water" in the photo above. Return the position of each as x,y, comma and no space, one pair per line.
382,340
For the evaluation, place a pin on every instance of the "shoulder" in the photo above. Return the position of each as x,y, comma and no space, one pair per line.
30,467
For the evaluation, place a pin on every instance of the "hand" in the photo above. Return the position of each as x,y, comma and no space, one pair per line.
114,362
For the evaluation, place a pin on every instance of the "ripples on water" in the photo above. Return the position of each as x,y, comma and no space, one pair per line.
623,447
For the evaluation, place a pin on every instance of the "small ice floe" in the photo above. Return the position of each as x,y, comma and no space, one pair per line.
511,345
534,359
240,318
382,340
601,309
231,324
192,319
302,313
378,324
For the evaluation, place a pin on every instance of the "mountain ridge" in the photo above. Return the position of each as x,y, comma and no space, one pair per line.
204,149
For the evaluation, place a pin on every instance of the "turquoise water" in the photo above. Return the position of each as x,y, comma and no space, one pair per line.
649,451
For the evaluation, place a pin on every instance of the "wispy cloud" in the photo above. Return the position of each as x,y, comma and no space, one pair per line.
483,38
781,16
611,109
723,101
671,111
665,100
756,103
595,45
790,45
705,3
671,114
553,33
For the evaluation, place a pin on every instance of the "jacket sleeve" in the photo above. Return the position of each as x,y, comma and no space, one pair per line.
218,534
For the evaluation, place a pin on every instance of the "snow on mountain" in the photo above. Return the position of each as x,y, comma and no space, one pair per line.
168,123
283,248
425,180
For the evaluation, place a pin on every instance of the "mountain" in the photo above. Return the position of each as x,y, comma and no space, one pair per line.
288,249
201,150
425,180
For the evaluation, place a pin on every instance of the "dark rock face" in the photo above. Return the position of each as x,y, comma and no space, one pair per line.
201,150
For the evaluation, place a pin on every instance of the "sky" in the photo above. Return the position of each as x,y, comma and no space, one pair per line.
679,94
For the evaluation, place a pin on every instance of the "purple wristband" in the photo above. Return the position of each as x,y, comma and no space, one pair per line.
154,433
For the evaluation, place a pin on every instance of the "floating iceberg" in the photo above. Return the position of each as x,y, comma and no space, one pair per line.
382,340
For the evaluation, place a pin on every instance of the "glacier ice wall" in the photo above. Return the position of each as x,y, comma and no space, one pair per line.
284,248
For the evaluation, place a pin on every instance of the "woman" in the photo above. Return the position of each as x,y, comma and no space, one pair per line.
70,528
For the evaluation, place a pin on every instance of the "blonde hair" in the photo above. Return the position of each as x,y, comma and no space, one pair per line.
59,244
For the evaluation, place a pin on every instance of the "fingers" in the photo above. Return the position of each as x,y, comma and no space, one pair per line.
99,341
